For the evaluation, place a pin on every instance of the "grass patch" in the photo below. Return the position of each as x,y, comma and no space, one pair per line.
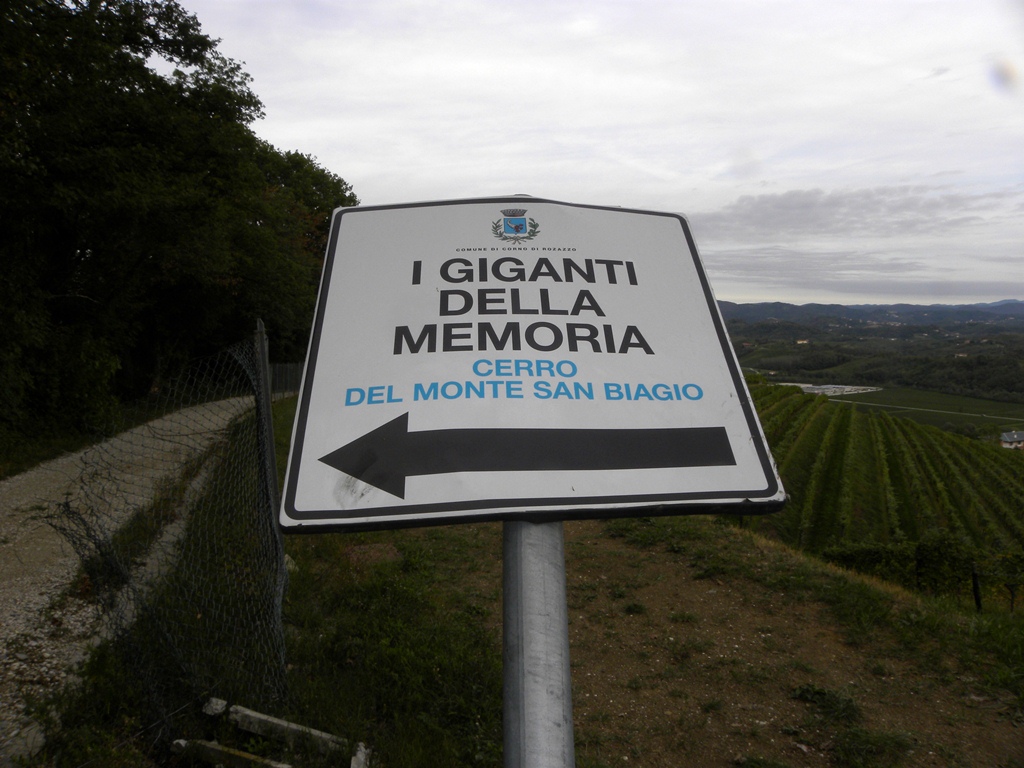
858,607
645,532
381,656
712,706
852,745
283,413
829,706
860,748
682,650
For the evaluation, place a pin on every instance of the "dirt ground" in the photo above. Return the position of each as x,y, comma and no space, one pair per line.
36,648
39,638
675,666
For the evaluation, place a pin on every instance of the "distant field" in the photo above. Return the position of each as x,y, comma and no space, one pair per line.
939,410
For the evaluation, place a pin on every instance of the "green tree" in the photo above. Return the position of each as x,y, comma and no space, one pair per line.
143,221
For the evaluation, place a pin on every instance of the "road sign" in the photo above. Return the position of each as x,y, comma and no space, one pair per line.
516,357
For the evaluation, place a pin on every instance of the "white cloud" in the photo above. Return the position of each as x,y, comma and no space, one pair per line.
890,212
888,132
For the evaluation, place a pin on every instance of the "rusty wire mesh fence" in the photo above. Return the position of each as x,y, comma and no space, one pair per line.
174,523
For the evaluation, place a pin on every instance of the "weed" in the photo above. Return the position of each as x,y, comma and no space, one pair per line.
752,675
714,705
641,532
830,706
711,571
880,670
622,528
681,651
578,596
760,762
860,748
772,644
724,662
634,609
802,666
682,617
647,532
861,608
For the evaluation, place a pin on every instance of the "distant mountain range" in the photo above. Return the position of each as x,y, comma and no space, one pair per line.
906,314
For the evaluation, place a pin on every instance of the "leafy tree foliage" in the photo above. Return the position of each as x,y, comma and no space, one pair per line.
144,223
960,357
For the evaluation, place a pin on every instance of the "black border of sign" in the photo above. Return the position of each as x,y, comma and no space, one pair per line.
534,509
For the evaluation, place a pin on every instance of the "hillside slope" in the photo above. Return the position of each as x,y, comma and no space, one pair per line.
693,643
857,476
698,644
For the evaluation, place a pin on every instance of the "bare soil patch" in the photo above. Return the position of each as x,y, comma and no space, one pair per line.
712,651
679,660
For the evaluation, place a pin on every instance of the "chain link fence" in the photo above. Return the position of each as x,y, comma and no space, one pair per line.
285,378
175,525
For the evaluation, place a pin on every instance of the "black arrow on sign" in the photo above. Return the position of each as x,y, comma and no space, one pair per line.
385,457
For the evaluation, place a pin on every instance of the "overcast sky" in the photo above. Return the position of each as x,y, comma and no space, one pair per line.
822,150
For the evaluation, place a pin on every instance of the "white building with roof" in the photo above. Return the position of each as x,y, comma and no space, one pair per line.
1012,440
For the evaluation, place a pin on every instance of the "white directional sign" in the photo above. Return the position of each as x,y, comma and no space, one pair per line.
518,358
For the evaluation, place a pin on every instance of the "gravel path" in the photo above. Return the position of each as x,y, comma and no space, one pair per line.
43,632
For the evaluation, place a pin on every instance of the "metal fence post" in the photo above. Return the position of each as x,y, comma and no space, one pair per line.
265,411
268,470
537,696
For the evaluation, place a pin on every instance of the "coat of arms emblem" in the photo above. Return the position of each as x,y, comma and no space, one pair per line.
515,227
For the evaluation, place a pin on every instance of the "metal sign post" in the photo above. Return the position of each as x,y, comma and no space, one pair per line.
537,697
523,360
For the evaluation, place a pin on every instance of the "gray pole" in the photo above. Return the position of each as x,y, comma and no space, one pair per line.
537,694
265,412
